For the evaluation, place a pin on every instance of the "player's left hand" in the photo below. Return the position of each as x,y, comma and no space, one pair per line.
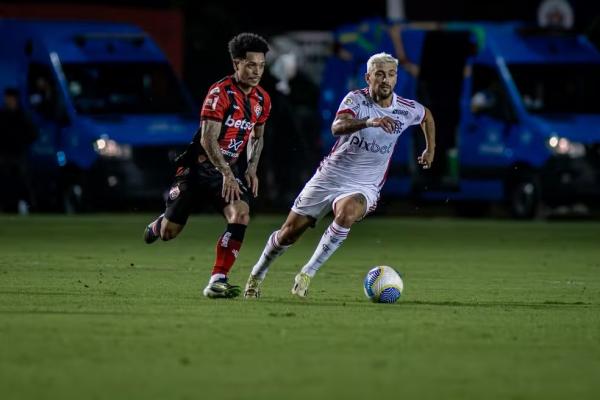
252,181
426,159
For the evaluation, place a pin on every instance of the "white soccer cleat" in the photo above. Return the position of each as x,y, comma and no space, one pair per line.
221,289
252,290
301,282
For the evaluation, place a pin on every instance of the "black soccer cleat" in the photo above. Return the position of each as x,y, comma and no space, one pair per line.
149,236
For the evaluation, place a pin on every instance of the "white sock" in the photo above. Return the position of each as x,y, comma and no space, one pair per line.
271,251
333,238
216,277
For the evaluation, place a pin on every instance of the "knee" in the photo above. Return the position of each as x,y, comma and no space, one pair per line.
242,217
288,235
346,217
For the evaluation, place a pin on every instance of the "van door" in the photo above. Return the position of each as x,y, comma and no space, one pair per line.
42,98
486,128
440,81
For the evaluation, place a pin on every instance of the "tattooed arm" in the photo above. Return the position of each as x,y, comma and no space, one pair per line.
209,141
255,146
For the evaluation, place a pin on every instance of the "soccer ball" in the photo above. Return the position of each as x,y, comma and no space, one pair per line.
383,285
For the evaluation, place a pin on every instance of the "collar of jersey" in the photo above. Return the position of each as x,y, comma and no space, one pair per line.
235,82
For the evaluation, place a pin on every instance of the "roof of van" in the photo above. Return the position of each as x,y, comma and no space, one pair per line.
78,41
518,43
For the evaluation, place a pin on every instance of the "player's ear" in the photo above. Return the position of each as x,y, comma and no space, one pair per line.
236,63
367,78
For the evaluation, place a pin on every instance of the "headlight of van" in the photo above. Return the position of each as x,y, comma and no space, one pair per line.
109,148
563,146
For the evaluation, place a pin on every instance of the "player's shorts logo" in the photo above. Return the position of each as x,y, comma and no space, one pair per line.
174,192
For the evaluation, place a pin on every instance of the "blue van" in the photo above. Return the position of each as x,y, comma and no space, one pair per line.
110,111
516,111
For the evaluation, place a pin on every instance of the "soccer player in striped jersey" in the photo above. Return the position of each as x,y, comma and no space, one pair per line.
348,181
232,118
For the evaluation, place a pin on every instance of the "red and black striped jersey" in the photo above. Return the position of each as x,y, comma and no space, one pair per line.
237,112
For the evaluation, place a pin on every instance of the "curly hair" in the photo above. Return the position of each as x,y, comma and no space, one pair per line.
245,42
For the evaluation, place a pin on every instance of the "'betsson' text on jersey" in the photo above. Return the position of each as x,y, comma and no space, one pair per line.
239,123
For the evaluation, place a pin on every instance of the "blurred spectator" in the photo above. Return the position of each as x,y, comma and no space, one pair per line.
17,133
42,97
292,139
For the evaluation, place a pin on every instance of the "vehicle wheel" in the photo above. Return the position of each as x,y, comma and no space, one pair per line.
524,197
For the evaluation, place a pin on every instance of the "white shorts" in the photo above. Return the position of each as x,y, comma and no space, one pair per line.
320,195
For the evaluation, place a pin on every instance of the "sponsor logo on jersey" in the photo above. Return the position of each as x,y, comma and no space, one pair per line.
373,146
234,144
239,123
401,112
228,153
211,103
367,104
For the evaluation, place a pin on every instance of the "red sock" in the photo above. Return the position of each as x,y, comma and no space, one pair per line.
228,248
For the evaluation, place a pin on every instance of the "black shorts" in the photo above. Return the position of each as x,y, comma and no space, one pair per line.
196,185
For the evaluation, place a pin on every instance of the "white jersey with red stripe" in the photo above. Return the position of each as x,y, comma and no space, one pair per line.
363,157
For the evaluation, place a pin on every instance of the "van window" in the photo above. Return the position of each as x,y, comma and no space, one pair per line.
488,95
124,88
558,88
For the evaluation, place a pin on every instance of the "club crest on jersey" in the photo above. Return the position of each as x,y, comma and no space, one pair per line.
234,144
174,192
257,110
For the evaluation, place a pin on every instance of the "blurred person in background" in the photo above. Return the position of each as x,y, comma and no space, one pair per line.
233,116
42,98
295,101
17,133
367,125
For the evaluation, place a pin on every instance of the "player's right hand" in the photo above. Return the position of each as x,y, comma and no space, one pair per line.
231,189
386,123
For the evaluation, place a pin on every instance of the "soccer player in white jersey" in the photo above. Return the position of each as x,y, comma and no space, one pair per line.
348,181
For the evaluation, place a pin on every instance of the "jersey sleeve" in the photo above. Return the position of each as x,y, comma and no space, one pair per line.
350,105
419,114
215,104
266,109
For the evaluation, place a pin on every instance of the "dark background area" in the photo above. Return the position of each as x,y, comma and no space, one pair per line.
208,25
200,30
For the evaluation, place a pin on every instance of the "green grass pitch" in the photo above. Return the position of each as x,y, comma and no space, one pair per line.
491,309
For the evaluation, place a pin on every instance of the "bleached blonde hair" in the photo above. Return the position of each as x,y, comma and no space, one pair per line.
380,58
